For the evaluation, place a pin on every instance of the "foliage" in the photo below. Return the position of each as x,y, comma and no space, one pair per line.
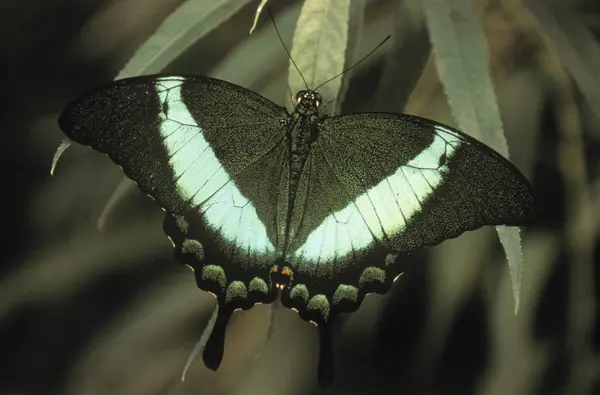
520,75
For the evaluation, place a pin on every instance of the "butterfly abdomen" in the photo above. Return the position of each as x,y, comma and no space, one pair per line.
300,141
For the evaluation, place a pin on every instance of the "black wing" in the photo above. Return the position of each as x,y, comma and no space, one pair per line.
211,154
390,183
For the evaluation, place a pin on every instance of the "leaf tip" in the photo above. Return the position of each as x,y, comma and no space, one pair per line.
59,151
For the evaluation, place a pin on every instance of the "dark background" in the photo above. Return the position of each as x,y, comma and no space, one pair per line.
90,312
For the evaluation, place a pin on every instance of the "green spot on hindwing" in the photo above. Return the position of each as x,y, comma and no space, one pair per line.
215,274
193,247
236,290
390,259
181,224
258,285
320,304
299,291
345,292
371,275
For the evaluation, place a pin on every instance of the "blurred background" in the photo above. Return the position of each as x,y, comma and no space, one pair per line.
85,311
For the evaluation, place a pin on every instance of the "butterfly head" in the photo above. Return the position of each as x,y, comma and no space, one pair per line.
281,276
308,102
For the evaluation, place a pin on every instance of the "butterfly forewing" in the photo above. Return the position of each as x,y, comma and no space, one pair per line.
211,153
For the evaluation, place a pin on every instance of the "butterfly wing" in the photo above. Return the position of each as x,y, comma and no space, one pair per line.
210,153
381,183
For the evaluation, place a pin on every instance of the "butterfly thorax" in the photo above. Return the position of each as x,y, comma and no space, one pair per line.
302,133
301,137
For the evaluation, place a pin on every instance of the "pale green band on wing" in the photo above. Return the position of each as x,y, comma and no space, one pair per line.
200,176
385,209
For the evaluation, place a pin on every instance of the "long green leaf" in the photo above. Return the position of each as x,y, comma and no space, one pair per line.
575,44
257,14
408,53
461,57
185,26
319,46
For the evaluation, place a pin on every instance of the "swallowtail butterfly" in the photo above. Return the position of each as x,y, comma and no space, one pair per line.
262,203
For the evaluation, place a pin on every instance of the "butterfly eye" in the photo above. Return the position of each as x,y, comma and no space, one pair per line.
299,96
318,99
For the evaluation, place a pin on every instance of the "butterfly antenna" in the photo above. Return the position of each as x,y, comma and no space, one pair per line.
284,47
357,63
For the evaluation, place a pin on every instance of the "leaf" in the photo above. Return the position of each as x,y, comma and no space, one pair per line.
262,56
408,52
461,56
186,25
125,186
199,347
319,46
257,14
190,22
59,151
576,46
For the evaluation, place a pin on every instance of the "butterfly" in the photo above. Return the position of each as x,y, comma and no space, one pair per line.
263,203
